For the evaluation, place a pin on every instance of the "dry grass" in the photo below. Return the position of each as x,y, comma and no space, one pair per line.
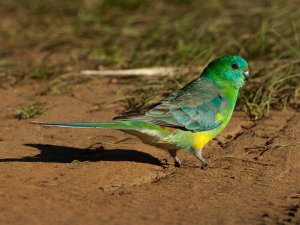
47,38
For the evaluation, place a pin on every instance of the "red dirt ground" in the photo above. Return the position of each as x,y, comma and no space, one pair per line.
48,176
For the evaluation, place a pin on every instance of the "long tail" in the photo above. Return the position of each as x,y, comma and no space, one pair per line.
163,134
120,125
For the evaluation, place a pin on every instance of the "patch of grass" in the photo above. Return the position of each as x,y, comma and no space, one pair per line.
41,73
58,89
141,33
275,86
31,111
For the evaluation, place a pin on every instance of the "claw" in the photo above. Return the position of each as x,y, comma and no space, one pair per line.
198,154
203,161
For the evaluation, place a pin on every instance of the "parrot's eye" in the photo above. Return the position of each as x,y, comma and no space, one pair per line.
235,66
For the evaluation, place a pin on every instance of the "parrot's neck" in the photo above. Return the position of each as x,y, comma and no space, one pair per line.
231,95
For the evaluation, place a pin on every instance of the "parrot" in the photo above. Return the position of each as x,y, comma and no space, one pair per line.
189,117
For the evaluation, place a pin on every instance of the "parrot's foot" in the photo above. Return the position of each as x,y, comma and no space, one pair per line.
203,161
199,156
177,161
173,153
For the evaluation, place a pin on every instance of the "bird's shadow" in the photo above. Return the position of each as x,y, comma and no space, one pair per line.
63,154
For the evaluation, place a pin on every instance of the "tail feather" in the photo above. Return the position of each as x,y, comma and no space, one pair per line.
121,125
150,129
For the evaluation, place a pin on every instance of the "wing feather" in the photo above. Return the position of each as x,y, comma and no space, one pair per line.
194,107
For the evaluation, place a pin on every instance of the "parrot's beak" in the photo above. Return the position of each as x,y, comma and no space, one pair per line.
246,74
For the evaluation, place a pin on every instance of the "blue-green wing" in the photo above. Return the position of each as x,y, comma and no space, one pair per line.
194,107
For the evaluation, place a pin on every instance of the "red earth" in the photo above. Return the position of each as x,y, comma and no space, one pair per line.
95,176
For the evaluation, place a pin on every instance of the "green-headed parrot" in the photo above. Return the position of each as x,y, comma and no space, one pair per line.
188,118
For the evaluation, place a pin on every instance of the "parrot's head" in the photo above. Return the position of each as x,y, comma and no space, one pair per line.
228,71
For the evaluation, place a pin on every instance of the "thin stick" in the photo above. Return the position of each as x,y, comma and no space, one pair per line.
156,71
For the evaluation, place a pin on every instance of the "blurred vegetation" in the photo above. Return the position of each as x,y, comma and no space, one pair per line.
31,111
45,38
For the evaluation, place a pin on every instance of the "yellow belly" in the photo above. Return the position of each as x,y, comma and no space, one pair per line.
201,139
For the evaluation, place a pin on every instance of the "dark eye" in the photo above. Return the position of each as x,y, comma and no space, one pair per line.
235,66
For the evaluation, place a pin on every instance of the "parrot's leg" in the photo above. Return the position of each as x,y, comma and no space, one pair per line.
198,154
173,153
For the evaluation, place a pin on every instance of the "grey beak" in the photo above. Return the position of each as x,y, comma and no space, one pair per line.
246,73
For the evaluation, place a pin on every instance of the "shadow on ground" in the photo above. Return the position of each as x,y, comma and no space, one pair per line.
63,154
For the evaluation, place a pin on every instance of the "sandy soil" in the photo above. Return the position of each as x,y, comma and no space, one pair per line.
50,176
